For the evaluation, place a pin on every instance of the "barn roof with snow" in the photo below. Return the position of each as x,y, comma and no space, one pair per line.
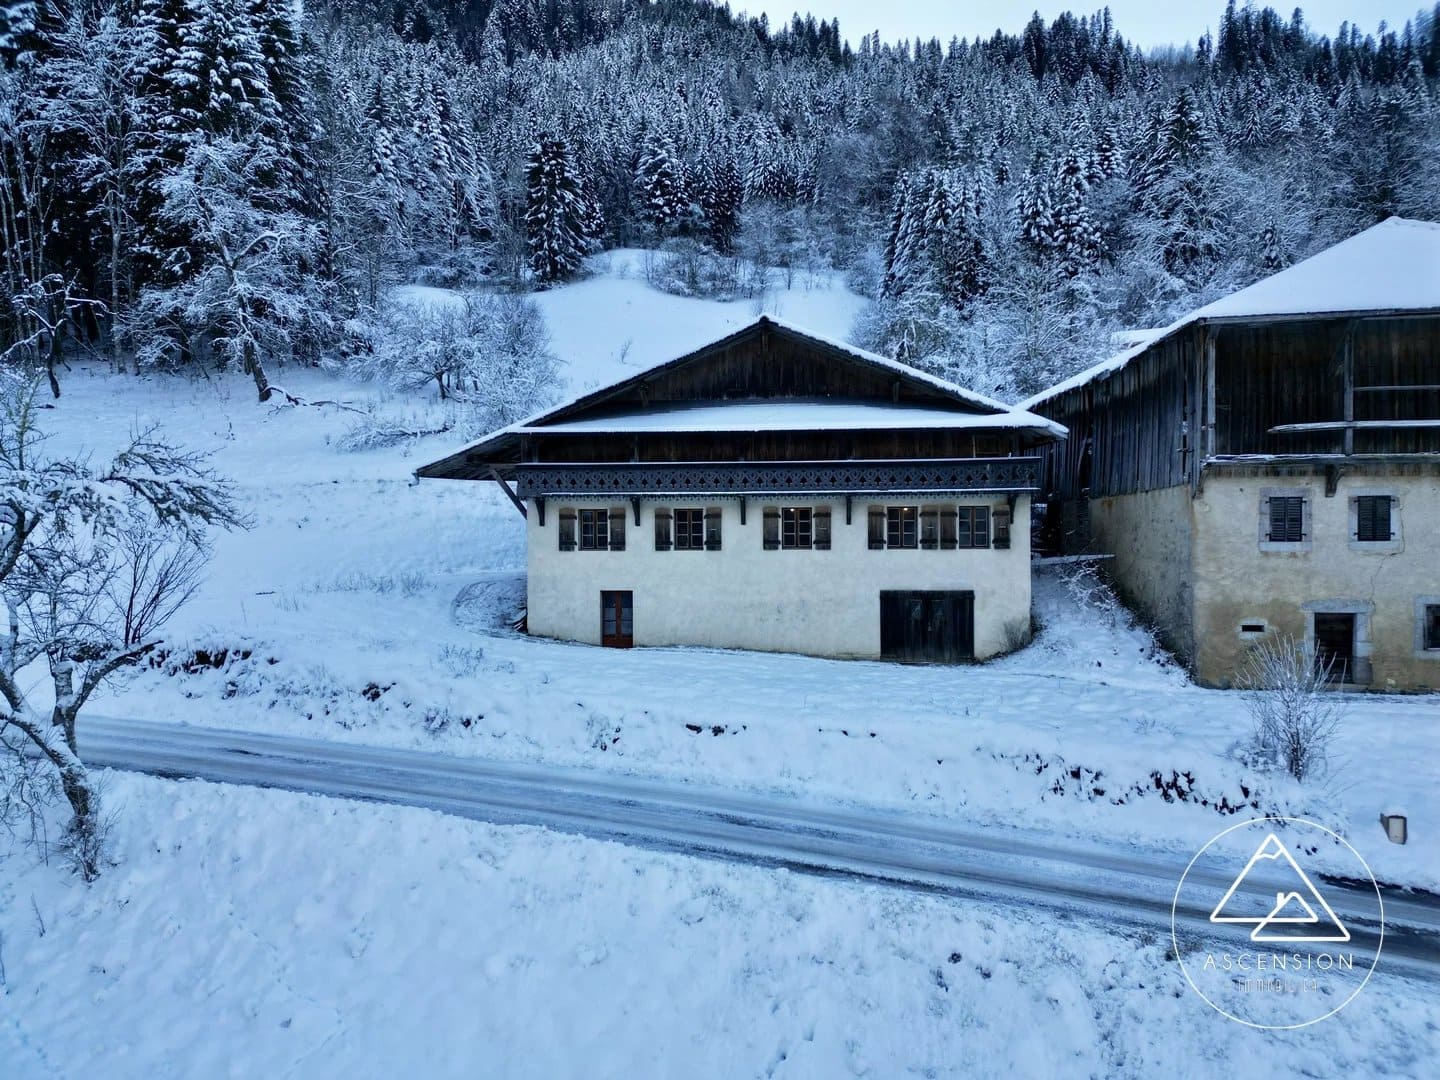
1390,268
767,379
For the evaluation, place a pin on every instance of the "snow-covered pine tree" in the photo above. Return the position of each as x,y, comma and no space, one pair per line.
721,191
660,188
904,245
560,217
1035,210
1076,239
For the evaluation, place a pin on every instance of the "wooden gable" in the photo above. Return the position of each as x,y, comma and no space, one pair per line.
767,360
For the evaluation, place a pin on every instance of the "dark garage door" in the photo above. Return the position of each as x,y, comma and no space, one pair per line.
935,627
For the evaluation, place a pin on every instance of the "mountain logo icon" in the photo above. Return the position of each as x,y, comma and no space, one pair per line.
1292,913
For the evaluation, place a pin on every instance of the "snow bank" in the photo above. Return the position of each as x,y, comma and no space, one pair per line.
260,933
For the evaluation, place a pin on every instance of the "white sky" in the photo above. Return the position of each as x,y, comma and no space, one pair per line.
1145,22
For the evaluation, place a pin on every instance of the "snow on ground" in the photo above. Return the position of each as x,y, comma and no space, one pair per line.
261,933
361,606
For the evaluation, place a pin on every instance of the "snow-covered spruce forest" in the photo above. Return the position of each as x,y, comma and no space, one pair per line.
205,184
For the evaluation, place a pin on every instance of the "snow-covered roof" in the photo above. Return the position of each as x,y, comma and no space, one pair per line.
969,409
790,414
1390,267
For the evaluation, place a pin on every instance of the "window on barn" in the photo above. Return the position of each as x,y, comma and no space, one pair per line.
594,530
689,529
902,526
796,527
974,527
1372,519
1430,628
1287,519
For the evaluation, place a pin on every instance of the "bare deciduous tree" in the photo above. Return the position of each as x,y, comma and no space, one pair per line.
1295,713
93,562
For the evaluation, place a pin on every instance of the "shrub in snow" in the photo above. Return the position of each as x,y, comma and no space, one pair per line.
1295,714
489,353
689,268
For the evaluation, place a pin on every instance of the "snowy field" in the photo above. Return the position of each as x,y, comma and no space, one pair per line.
362,606
255,933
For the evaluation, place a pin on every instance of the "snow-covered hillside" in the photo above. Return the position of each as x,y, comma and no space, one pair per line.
363,606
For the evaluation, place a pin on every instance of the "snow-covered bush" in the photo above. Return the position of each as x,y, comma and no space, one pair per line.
489,352
1295,714
686,267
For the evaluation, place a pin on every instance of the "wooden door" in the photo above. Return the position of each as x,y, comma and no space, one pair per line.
617,619
1335,645
927,627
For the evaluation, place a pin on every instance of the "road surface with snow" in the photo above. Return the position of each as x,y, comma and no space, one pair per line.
1116,886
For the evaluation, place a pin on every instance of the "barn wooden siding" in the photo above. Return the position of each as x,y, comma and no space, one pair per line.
770,361
773,446
1220,390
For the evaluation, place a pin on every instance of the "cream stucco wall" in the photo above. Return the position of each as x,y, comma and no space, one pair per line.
1236,580
1149,536
826,603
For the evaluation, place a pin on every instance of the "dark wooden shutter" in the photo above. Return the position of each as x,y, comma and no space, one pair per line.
1002,527
617,528
1372,518
712,528
930,527
772,528
947,528
567,530
877,528
1287,519
981,535
821,522
662,529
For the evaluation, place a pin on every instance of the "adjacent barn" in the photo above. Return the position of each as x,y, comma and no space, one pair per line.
1270,463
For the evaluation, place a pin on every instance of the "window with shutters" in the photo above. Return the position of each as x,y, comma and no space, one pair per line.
902,526
796,527
1285,519
689,530
974,527
1374,521
567,530
594,530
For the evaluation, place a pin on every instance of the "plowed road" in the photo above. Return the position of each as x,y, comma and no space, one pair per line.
1128,887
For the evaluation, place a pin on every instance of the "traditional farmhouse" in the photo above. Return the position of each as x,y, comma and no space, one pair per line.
1271,463
778,491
